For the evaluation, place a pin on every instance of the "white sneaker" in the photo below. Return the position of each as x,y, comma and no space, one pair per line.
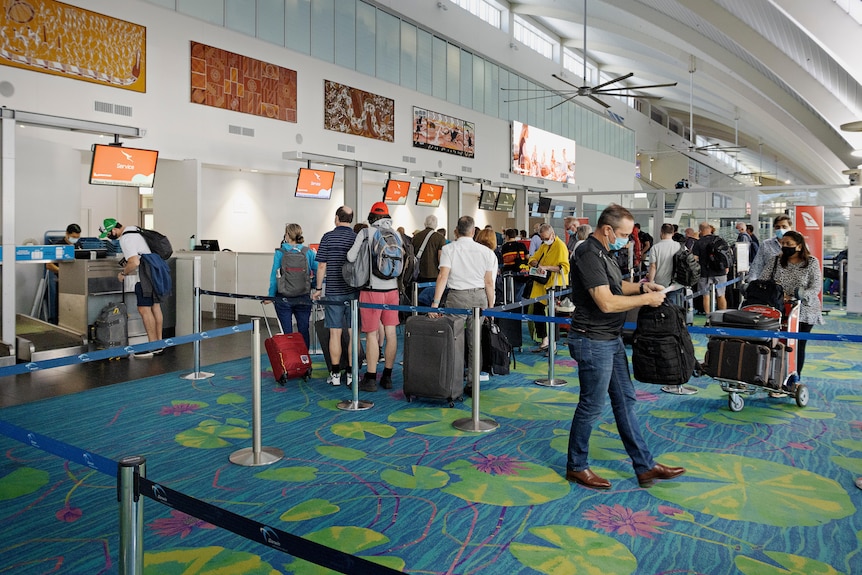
348,378
334,378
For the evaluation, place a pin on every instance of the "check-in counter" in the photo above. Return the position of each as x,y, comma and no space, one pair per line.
87,286
229,272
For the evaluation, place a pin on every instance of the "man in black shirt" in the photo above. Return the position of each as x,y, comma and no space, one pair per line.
601,301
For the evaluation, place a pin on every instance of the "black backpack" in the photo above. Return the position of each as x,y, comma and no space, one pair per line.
158,243
497,352
662,352
686,269
717,255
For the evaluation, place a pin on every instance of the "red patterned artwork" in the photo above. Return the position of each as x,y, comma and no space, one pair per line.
230,81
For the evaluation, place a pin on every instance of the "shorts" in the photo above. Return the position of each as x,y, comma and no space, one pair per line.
704,282
143,301
336,311
372,317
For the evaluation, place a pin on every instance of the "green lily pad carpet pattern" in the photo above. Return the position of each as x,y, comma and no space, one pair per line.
769,490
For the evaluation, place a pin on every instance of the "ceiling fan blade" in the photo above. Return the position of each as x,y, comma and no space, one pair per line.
527,98
561,102
594,99
537,90
563,80
670,85
629,75
625,95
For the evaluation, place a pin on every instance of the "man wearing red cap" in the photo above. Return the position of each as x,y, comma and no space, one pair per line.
379,291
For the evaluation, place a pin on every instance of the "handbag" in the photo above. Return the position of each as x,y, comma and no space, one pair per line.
536,277
766,291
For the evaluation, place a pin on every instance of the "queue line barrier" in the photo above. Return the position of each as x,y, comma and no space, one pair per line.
132,482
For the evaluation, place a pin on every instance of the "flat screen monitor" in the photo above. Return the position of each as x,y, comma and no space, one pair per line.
544,205
487,200
542,154
316,184
505,201
395,192
119,166
429,195
210,245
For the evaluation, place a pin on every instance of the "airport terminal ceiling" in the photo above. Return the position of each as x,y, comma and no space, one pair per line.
779,77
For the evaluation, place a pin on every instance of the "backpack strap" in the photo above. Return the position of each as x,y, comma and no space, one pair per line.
425,243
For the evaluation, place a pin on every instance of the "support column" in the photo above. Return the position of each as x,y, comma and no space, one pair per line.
7,206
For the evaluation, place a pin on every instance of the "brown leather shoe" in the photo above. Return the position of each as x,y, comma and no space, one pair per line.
659,471
588,479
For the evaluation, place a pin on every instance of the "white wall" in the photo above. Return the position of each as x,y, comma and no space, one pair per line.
193,193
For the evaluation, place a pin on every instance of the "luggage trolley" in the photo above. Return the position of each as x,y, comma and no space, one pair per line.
745,366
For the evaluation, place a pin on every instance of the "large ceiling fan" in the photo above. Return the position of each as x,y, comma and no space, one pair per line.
603,89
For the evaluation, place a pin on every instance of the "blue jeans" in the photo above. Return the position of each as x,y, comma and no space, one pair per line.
299,307
603,369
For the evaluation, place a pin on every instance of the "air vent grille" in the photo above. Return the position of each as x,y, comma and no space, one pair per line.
408,159
346,148
109,108
467,169
234,129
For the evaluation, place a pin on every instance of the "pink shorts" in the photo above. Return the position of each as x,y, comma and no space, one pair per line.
372,317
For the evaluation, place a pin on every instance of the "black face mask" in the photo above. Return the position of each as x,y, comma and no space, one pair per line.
788,252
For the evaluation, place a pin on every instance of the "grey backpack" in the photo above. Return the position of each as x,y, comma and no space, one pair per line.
294,278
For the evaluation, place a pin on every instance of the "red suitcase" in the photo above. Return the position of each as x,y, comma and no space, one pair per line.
288,355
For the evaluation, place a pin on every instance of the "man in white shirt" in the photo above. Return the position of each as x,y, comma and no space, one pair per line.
134,246
469,270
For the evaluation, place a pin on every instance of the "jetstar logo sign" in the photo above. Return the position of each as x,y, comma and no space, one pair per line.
160,494
809,221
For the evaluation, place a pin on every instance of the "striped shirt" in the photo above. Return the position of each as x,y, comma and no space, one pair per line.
333,249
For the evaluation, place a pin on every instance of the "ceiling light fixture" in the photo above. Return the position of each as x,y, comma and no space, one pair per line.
856,153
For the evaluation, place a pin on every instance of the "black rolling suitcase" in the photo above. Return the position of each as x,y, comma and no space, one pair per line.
738,360
434,357
743,319
513,329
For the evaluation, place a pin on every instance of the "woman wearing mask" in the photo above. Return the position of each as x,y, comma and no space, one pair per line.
798,272
771,247
291,283
552,257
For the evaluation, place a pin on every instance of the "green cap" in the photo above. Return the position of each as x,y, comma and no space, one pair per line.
107,225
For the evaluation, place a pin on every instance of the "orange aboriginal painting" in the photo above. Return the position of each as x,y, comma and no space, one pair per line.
353,111
222,79
56,38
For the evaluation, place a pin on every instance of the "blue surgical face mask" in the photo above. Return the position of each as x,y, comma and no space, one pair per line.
779,233
619,244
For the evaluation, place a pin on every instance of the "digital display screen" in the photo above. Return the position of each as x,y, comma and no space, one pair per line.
505,201
119,166
314,184
429,195
487,200
544,205
395,192
541,154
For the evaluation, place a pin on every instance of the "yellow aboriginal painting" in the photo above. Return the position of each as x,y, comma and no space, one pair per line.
56,38
231,81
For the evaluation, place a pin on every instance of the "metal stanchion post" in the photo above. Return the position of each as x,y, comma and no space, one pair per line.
711,299
196,322
131,560
255,455
415,296
474,423
551,381
841,286
354,404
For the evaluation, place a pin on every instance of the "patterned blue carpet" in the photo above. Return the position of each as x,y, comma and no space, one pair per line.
769,490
